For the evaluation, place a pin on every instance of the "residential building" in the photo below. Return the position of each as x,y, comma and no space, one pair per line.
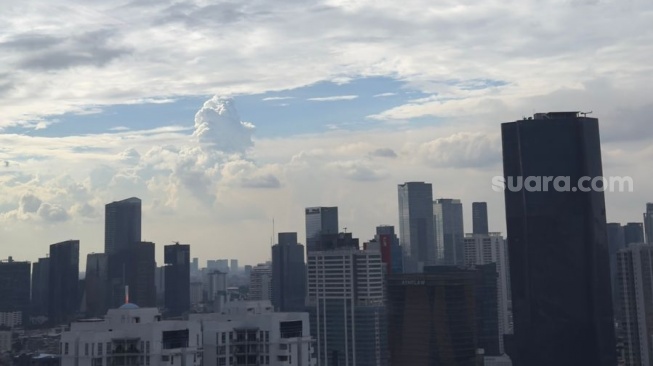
260,283
15,288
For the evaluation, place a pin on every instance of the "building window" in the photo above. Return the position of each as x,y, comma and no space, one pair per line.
147,347
223,337
222,361
85,349
99,349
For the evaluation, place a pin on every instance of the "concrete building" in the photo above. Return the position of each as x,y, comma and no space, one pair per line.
15,287
251,333
260,283
479,218
320,221
346,302
288,274
131,335
5,340
449,230
387,243
634,233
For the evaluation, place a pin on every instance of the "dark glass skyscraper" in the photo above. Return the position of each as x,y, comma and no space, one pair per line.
449,230
177,279
320,221
63,289
416,227
40,283
634,233
616,242
140,275
648,223
479,218
96,282
557,244
288,274
15,287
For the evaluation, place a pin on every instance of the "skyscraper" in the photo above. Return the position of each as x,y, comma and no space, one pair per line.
63,288
40,283
260,283
387,242
15,287
616,242
140,276
634,233
346,303
320,221
122,232
416,228
288,274
449,230
177,279
96,282
635,294
479,218
648,223
557,244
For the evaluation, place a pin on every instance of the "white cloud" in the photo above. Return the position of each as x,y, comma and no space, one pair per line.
334,98
380,95
276,98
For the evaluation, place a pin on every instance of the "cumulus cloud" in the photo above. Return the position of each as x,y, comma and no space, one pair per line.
29,203
129,156
384,152
52,212
218,126
462,150
334,98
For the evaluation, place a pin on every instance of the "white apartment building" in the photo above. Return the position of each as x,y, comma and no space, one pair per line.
251,333
131,335
260,283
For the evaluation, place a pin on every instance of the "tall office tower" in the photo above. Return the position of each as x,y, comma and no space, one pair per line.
346,302
416,228
140,275
177,279
479,218
616,242
63,287
557,244
288,274
634,233
15,288
449,230
122,231
648,223
260,283
320,221
233,266
195,268
40,283
387,242
97,279
160,285
432,318
635,298
216,290
481,249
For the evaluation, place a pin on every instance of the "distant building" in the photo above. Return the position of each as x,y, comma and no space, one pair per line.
131,335
142,268
216,290
634,233
320,221
346,302
482,249
260,283
648,223
5,340
63,287
15,288
177,279
449,230
40,283
233,266
416,227
96,282
635,299
479,218
387,243
288,274
250,333
557,243
616,242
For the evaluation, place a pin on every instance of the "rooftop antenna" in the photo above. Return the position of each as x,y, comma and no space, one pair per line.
126,294
585,113
345,229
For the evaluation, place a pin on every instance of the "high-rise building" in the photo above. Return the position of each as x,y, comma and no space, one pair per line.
96,281
557,243
63,287
432,318
481,249
233,266
346,302
140,277
320,221
122,232
648,223
635,298
260,283
416,226
15,288
40,283
479,218
387,242
288,274
634,233
177,279
449,230
616,242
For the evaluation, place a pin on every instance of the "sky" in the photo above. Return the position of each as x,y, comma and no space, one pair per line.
227,116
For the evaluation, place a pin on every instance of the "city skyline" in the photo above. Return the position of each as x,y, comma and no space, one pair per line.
337,115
